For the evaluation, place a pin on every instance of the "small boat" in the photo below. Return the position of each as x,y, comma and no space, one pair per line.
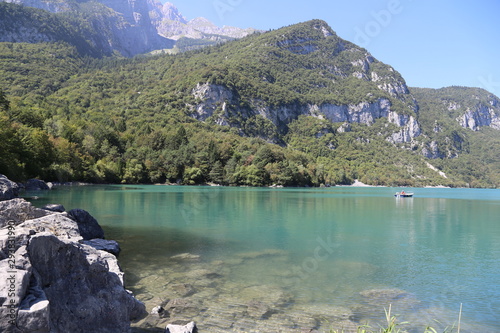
403,194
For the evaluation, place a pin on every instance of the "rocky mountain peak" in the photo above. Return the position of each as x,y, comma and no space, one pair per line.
170,12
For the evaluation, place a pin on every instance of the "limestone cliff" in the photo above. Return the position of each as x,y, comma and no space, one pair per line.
481,115
219,103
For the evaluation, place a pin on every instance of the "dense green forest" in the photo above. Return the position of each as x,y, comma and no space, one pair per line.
66,116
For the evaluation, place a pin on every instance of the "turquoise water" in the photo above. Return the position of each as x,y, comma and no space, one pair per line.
354,249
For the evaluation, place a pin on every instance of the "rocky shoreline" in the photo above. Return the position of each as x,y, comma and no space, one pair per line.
57,272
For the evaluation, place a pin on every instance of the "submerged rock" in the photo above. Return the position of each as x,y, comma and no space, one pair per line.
184,289
275,297
185,257
376,299
188,328
382,296
184,307
259,310
261,254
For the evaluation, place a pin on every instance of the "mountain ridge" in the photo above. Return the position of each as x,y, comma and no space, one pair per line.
124,26
172,24
216,114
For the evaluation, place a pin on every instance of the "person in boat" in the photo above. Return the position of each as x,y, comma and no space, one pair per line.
403,193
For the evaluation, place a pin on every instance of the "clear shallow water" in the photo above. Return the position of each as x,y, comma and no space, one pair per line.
343,251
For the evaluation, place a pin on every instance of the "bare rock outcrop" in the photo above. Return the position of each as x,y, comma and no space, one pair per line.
8,189
218,103
481,116
56,275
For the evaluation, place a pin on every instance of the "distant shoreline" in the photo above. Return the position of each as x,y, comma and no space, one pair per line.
356,183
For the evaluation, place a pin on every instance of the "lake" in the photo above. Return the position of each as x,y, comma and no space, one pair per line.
295,259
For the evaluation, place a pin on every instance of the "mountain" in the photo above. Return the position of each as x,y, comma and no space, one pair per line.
295,106
107,28
123,26
170,23
305,69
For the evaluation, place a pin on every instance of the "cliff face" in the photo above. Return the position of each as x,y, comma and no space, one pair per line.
481,115
134,33
218,102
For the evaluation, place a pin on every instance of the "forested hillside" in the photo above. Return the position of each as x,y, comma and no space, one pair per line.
462,132
297,106
93,28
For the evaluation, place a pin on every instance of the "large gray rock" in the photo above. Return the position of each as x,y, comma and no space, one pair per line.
58,224
84,295
110,246
8,189
17,211
36,185
14,283
11,239
58,208
87,224
50,281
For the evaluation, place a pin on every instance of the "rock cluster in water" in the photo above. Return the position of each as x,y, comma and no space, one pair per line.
57,273
229,296
187,288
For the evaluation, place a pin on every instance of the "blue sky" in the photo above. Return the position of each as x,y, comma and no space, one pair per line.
432,43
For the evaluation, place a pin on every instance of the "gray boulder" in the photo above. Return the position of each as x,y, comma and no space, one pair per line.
58,208
11,239
8,189
13,287
87,224
110,246
17,211
84,295
58,224
50,281
36,185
